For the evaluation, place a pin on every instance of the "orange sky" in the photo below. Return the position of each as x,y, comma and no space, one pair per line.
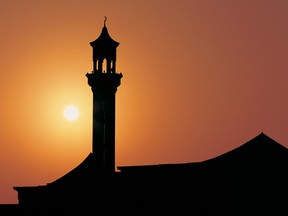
200,78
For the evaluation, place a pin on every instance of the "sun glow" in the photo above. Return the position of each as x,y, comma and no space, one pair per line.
71,113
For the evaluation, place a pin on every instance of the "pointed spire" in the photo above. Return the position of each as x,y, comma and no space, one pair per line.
104,39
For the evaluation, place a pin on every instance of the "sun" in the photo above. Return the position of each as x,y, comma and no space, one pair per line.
71,113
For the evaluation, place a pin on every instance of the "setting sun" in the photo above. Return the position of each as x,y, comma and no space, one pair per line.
71,113
200,78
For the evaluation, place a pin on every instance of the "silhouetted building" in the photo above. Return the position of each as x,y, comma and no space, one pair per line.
104,86
251,179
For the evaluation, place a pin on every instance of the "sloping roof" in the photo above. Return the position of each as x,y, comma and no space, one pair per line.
261,149
84,172
261,152
252,175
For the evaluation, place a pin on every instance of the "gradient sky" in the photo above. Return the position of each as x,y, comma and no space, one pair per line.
200,78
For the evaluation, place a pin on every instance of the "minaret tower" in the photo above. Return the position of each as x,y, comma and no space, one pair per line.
104,82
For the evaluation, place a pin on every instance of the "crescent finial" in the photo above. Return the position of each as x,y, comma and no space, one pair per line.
105,18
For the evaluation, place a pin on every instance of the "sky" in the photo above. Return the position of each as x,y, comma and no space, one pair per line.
200,78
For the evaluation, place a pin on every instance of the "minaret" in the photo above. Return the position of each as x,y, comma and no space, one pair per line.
104,82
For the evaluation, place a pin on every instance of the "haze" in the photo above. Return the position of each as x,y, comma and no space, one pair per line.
200,78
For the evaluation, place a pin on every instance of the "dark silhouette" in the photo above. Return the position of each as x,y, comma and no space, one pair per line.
251,179
104,86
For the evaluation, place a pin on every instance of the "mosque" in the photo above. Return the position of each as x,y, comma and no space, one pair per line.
251,179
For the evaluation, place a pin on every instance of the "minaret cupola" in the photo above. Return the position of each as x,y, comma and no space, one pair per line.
104,48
